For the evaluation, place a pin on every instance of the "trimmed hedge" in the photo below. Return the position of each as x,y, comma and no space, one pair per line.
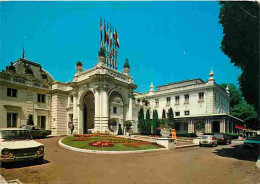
186,134
231,135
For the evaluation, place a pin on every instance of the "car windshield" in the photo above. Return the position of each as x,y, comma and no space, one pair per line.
218,135
206,137
15,135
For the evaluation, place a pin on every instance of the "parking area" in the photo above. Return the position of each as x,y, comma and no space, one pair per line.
222,164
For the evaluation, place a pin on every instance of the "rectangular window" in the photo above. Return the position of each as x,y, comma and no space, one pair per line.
114,110
11,92
71,98
157,102
168,100
11,120
187,113
177,99
41,98
177,113
201,97
41,121
186,97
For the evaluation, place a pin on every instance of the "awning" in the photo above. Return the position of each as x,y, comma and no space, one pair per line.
240,127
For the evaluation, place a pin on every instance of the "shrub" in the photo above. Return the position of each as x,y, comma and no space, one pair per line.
181,134
30,120
232,135
120,131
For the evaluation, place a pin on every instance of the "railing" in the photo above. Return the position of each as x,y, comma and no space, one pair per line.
9,78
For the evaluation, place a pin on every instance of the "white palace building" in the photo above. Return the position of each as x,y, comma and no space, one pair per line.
102,94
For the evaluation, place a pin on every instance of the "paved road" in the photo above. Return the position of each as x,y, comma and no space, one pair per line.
224,164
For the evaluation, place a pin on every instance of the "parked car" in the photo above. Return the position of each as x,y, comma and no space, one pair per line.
223,138
16,145
208,140
36,131
252,143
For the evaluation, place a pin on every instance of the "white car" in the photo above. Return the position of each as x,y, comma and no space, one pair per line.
16,144
208,140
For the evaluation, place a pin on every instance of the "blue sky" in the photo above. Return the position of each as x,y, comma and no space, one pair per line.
164,41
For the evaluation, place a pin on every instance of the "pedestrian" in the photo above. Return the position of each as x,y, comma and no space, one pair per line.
71,127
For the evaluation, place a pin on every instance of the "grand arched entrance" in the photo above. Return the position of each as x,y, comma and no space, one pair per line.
117,111
88,112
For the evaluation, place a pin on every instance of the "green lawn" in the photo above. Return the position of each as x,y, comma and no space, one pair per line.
117,146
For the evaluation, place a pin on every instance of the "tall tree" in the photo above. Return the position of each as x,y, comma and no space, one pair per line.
148,122
155,123
240,22
238,107
171,117
163,114
141,122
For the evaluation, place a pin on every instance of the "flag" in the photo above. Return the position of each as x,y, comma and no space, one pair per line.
23,53
111,37
101,28
117,40
105,32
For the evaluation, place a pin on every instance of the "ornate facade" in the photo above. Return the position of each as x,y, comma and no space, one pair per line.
101,95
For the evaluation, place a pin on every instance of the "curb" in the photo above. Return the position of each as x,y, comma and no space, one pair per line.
2,180
186,146
258,162
107,152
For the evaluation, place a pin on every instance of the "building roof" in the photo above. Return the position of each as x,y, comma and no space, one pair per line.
198,80
22,67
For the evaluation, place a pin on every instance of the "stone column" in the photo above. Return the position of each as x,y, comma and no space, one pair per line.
209,126
104,110
130,109
227,125
206,126
97,127
190,126
75,113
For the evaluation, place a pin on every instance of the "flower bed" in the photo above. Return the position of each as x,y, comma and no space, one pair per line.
107,143
101,144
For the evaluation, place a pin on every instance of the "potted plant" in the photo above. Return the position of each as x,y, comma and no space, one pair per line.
79,66
102,55
127,125
113,124
126,66
165,128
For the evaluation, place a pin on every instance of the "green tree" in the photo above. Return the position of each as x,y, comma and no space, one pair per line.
244,111
155,123
235,94
238,107
141,121
30,120
163,114
148,122
171,117
240,22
